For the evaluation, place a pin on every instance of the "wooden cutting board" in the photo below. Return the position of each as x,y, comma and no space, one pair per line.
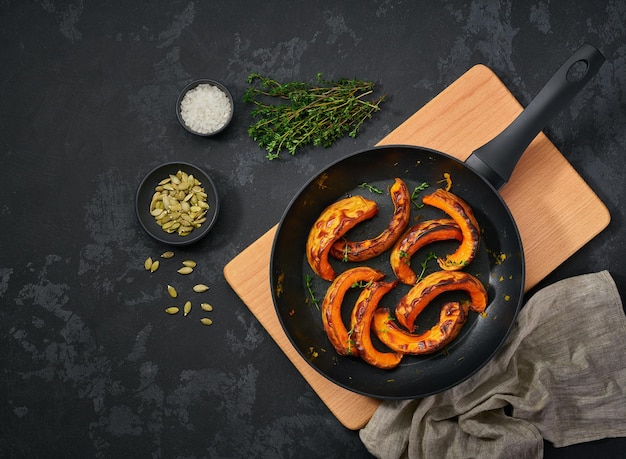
556,212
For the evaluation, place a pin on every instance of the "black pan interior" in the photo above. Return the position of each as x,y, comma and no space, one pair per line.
500,266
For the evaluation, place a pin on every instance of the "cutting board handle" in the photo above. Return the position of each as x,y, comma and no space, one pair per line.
496,159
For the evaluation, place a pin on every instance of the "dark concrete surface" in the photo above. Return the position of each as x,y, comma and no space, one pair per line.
90,366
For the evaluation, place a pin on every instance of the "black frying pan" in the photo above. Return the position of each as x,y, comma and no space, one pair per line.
500,263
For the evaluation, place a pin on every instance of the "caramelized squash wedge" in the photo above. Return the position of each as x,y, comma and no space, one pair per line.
417,237
463,215
331,306
452,317
334,222
370,248
416,299
363,313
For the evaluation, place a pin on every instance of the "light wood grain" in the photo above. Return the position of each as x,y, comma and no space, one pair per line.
248,274
555,210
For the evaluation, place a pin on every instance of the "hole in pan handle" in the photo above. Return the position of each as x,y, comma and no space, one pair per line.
496,159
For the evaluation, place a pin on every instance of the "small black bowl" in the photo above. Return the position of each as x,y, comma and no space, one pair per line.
193,85
144,198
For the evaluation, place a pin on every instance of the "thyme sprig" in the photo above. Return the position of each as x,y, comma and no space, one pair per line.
309,286
424,265
416,191
371,188
294,114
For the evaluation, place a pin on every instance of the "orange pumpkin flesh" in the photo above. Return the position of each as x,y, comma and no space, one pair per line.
363,313
452,317
331,306
417,237
462,214
414,302
366,318
370,248
334,222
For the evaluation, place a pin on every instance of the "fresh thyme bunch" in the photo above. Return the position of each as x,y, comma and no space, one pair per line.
292,115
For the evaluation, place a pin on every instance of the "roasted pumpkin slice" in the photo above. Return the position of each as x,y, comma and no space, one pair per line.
370,248
452,317
417,237
364,309
331,306
416,299
463,215
334,222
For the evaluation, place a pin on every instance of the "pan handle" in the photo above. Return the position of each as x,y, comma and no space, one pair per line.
496,159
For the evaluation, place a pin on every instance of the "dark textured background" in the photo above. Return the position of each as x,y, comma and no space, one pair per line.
90,366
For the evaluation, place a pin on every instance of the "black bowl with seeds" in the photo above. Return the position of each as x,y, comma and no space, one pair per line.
177,203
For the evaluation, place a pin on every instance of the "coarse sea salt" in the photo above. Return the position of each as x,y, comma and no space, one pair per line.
205,108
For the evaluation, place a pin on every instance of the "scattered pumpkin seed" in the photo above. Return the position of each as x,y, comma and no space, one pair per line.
187,308
206,307
148,263
185,270
172,310
190,263
172,291
154,266
167,254
206,321
200,288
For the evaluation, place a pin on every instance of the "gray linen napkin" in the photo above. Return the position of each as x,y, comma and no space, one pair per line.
561,375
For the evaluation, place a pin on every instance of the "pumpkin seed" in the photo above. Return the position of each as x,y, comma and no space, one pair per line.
199,288
206,307
172,291
206,321
167,254
184,230
172,310
187,308
185,270
189,263
148,263
154,266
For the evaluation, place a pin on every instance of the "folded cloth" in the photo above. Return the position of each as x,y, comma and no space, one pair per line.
560,376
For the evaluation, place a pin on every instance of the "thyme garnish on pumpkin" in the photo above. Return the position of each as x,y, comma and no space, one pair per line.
361,284
424,265
346,252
